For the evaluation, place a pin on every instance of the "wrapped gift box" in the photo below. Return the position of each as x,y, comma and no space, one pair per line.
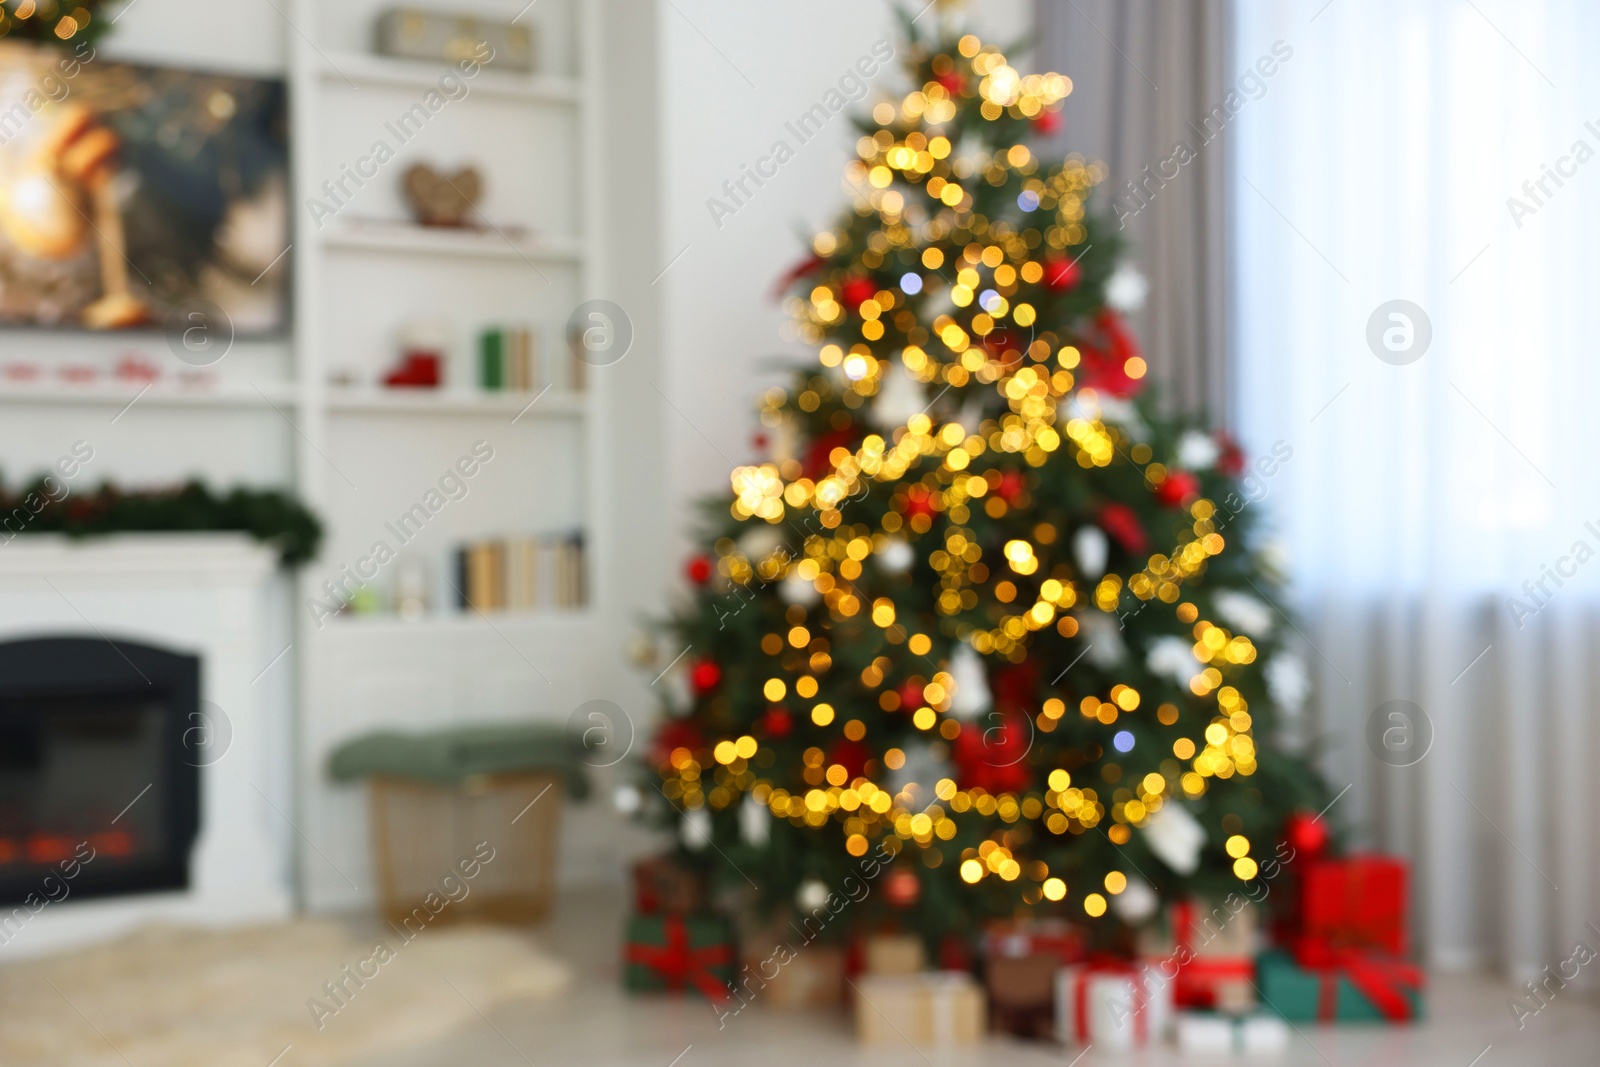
1212,947
1022,994
932,1008
1358,903
894,954
1346,987
1202,1033
677,953
1067,942
661,883
1115,1005
813,978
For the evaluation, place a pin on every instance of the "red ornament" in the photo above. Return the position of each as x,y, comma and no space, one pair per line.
1125,529
952,81
919,502
857,291
1306,833
704,676
1231,461
1014,686
1105,357
776,722
1011,486
911,694
1047,123
698,570
991,754
816,464
851,755
678,733
810,265
901,887
1062,275
1177,487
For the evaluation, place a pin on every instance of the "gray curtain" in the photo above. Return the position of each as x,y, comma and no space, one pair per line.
1145,75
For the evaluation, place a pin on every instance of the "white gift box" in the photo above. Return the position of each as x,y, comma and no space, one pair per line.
1202,1033
1113,1006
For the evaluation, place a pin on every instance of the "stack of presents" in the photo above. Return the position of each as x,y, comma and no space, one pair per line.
1325,942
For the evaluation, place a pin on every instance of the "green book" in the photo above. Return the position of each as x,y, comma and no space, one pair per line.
492,359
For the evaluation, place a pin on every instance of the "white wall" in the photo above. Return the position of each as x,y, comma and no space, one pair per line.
721,326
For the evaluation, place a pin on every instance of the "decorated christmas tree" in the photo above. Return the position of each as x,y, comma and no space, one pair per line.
988,630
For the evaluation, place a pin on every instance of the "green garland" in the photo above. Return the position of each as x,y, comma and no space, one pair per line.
53,22
265,514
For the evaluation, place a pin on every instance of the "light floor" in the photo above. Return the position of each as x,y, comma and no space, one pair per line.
595,1022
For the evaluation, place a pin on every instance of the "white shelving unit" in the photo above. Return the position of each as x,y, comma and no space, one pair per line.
270,413
365,454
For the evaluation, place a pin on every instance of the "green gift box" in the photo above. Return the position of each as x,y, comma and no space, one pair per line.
1351,987
674,953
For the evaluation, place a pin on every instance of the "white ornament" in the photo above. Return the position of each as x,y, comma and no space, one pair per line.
896,556
1288,682
694,829
755,822
627,799
1090,547
797,590
1198,451
971,697
918,774
1175,837
1137,902
1127,288
680,693
784,441
761,542
1122,411
1244,612
811,895
1172,657
899,397
1103,633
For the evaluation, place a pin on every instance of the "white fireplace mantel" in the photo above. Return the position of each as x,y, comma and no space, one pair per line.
210,595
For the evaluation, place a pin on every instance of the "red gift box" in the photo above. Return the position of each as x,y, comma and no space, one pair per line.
661,884
1064,941
1356,903
1210,954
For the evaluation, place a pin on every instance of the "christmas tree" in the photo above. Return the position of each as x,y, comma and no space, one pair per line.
988,629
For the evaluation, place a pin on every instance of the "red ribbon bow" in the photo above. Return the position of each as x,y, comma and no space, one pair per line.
682,965
1381,980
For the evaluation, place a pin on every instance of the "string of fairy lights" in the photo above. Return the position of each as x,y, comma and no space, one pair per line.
918,187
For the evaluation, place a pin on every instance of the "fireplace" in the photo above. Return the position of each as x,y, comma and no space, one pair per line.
100,751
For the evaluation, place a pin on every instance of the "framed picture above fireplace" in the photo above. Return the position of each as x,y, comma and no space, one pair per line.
132,195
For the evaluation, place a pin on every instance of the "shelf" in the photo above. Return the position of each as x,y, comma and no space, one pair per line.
365,69
165,394
420,240
552,404
458,622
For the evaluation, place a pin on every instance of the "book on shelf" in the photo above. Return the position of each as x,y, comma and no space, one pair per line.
521,573
510,358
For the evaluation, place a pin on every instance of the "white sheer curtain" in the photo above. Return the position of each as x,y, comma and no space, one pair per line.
1424,491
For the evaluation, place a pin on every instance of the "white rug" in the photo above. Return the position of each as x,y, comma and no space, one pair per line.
178,997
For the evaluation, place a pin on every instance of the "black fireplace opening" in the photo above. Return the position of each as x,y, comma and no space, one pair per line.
99,788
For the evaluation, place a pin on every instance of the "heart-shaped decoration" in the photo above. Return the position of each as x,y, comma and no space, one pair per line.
439,199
